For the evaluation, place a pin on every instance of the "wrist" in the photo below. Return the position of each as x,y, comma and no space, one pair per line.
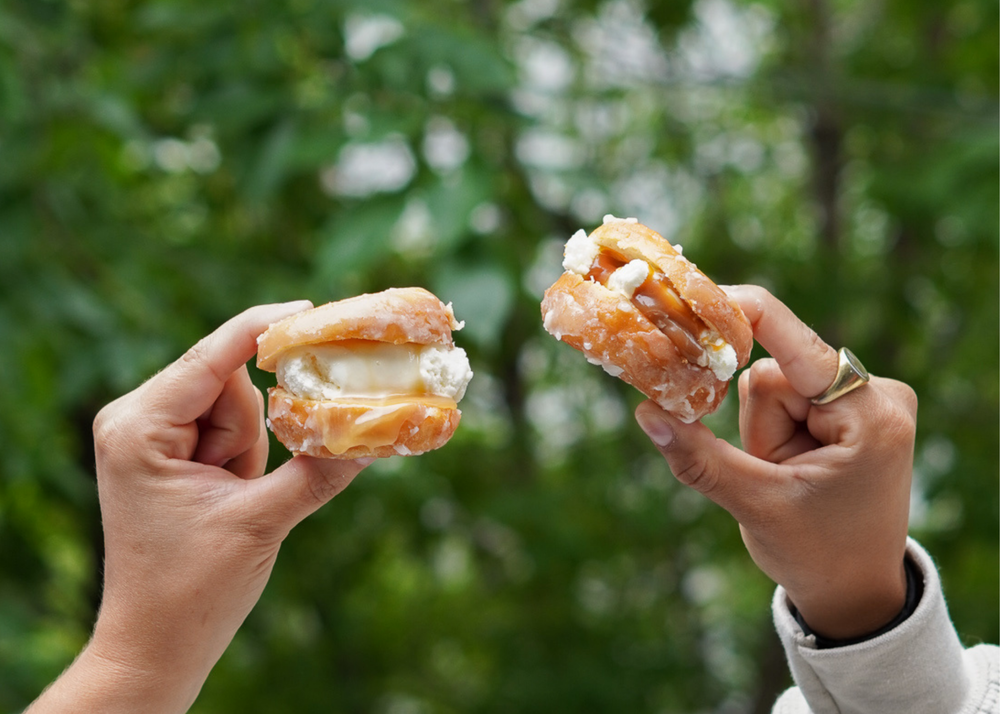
847,610
914,594
100,680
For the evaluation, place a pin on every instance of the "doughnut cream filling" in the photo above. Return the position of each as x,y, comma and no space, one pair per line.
651,293
380,371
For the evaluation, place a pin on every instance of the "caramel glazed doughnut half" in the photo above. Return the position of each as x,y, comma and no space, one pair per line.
635,306
373,375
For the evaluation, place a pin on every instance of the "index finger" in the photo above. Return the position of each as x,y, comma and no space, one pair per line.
809,363
188,387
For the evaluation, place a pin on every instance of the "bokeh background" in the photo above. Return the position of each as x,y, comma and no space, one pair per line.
165,164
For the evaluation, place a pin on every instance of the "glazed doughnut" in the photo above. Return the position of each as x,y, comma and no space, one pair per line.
373,375
634,305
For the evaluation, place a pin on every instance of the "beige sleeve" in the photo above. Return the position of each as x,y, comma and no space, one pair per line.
920,667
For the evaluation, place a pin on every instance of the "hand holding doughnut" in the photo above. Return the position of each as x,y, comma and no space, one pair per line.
192,525
821,493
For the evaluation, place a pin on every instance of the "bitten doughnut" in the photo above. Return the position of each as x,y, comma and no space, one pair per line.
373,375
634,305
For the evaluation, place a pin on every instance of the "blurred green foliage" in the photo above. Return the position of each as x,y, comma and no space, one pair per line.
165,164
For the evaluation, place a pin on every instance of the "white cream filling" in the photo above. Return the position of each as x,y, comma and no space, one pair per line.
580,253
374,370
720,357
627,278
612,219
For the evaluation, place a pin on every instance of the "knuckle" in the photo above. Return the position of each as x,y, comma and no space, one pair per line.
764,375
898,395
906,397
199,359
811,346
695,474
196,355
122,435
323,486
906,419
107,427
814,345
896,422
764,369
102,424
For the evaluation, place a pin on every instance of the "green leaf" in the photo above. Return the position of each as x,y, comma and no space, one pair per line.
482,295
357,240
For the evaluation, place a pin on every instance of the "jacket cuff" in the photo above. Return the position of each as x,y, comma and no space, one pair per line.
914,667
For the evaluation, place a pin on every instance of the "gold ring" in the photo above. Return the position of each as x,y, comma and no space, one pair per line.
851,374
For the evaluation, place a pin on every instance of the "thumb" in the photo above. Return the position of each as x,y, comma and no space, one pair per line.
697,458
300,486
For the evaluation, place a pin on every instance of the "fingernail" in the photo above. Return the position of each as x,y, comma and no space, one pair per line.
656,427
365,461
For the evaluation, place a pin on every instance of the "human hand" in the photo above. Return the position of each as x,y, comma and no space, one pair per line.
192,526
821,493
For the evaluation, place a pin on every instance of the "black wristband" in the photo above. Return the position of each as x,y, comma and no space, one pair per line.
914,591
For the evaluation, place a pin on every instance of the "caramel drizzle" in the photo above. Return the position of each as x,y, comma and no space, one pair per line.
382,425
394,400
658,302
